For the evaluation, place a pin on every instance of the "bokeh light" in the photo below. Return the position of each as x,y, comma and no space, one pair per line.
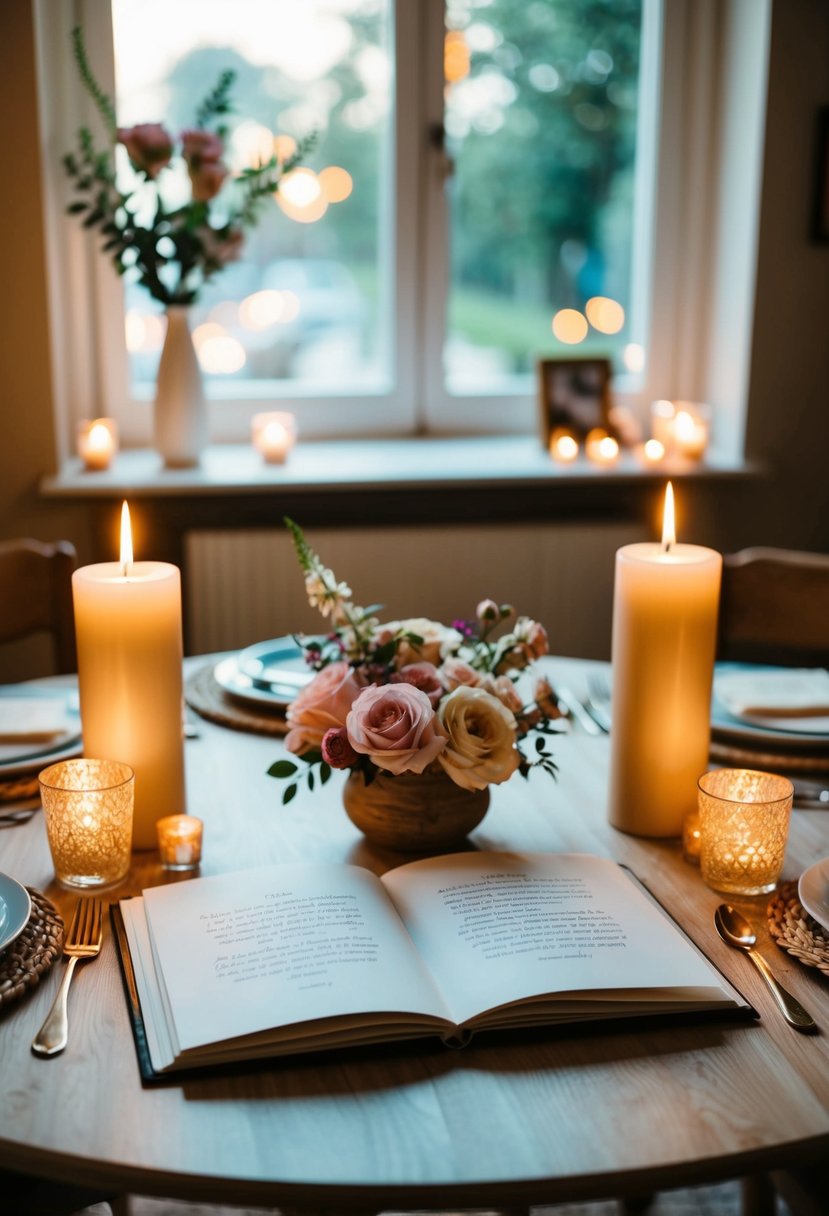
144,331
284,147
456,57
219,353
301,196
262,309
633,357
336,183
570,326
604,314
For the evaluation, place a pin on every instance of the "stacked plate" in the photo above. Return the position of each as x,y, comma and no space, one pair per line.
37,728
15,910
268,675
778,713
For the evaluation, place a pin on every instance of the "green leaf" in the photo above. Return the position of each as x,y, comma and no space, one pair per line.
76,208
325,772
283,768
311,780
290,793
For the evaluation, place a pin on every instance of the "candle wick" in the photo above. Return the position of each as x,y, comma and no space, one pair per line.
666,546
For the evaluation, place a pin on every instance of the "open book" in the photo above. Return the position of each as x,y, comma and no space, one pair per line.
299,957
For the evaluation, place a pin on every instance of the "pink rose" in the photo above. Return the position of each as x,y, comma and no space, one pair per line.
323,703
199,146
207,180
395,726
456,672
148,145
423,676
336,748
503,688
533,635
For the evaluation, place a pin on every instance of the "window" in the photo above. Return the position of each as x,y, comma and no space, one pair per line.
495,182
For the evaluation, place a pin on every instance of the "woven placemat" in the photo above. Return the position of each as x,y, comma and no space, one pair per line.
795,930
32,953
18,787
208,698
778,762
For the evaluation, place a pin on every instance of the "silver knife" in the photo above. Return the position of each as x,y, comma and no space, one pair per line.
576,710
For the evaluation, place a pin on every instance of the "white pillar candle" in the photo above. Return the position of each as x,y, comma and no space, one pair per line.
274,435
664,637
128,631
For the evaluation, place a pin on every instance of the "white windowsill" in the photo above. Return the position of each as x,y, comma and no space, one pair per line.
370,464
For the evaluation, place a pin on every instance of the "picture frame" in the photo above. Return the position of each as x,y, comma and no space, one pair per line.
574,395
820,194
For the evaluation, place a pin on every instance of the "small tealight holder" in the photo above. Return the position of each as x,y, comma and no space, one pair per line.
744,824
601,447
564,446
690,837
690,429
653,451
88,808
273,435
97,442
179,842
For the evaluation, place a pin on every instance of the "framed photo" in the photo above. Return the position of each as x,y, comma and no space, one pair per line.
574,394
820,204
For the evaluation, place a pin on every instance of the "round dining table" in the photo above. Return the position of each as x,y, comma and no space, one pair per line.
541,1117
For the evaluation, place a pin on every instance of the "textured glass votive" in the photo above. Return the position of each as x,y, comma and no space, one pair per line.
88,807
744,823
179,841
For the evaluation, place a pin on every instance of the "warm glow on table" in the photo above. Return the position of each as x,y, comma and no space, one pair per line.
563,446
88,809
601,448
664,634
128,629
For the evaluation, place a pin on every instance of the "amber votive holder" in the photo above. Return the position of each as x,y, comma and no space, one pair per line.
88,808
744,825
180,841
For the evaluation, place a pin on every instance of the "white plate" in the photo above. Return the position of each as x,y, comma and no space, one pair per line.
15,910
19,759
725,726
813,891
277,665
240,686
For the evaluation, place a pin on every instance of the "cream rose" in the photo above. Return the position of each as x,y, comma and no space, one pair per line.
395,726
320,705
456,671
438,641
481,735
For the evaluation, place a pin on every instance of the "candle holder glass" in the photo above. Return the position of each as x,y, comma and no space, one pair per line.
744,824
88,807
180,841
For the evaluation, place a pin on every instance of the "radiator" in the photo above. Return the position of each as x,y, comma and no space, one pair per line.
245,586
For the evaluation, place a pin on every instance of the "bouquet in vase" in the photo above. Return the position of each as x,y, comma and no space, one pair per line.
415,696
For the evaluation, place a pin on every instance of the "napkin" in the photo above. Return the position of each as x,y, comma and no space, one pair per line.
32,719
793,699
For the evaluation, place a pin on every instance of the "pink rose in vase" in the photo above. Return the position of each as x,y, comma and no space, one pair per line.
395,726
321,705
149,146
424,676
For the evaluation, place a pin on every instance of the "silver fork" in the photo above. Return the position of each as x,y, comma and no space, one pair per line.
82,941
598,699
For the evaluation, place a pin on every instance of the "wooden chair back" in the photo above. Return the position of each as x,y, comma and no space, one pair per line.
36,595
774,608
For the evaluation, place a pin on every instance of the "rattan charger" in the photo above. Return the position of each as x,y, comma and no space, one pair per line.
33,951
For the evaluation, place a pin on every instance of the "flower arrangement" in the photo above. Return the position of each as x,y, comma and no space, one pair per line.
172,247
406,696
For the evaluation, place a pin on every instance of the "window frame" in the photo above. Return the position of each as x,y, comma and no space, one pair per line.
687,96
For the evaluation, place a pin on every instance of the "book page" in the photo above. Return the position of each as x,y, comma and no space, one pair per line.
236,954
496,928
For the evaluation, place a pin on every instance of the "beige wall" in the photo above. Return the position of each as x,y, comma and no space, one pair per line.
788,420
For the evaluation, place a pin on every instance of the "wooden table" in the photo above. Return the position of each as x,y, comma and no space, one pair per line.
559,1116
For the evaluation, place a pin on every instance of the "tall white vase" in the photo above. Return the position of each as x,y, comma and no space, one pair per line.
180,420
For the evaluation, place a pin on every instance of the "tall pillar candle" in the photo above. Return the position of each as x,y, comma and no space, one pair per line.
665,604
128,631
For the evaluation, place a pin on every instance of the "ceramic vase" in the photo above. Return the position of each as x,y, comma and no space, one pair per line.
414,812
180,418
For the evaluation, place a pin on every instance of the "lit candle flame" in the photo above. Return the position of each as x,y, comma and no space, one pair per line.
126,539
668,526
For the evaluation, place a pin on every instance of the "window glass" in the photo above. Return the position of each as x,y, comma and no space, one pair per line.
306,303
541,122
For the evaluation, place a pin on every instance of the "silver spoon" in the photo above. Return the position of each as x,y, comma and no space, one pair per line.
736,931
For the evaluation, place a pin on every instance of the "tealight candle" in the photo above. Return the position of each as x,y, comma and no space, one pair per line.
665,605
563,446
601,448
690,432
97,442
179,841
744,824
273,434
88,809
128,631
653,451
